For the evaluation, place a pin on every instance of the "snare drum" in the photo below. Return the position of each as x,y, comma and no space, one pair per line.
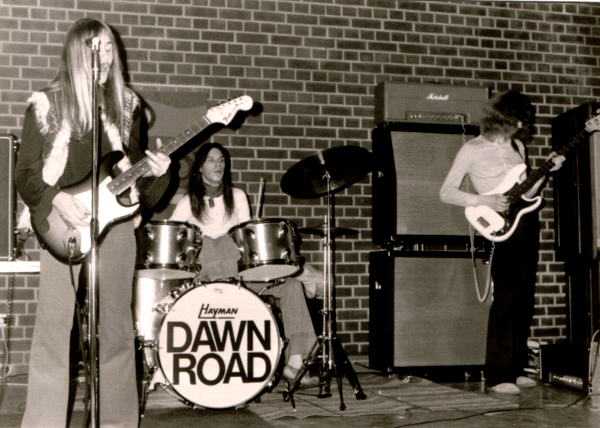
168,245
267,249
217,344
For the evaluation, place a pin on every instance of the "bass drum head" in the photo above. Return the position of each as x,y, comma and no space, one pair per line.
219,345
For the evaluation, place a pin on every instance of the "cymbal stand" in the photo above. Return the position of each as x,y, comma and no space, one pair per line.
327,348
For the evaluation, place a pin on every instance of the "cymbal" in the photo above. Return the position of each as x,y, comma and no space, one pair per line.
321,230
345,165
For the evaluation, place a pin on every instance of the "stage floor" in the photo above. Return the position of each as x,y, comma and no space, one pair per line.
414,401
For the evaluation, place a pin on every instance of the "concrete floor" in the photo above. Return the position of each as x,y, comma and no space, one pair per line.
545,405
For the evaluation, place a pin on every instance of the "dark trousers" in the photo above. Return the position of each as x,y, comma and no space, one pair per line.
514,268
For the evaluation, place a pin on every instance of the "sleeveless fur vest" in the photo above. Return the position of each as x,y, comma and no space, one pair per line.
57,137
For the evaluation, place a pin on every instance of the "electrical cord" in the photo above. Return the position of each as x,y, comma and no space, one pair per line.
481,298
5,368
592,366
70,248
488,286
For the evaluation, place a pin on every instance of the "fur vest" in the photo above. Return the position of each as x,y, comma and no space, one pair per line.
57,135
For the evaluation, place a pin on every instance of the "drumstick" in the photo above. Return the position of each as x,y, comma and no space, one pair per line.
258,199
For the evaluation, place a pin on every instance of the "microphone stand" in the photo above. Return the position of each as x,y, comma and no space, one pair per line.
94,227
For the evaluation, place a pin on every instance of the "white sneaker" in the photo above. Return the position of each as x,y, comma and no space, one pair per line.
525,382
506,388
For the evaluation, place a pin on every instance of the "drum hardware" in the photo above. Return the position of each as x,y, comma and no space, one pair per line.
271,284
323,174
321,230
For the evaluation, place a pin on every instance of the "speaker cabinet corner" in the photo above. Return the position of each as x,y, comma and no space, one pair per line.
424,310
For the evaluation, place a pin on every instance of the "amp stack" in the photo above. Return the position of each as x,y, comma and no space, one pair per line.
425,314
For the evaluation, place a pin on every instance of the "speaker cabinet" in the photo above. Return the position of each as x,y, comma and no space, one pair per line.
424,310
411,162
7,196
577,185
577,221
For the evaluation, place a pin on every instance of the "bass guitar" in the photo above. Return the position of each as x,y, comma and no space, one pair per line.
69,243
499,226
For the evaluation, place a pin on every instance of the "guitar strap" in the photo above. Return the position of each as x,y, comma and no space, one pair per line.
126,120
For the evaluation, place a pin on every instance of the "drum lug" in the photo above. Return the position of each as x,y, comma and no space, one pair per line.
147,260
148,232
182,234
283,229
286,254
162,307
181,259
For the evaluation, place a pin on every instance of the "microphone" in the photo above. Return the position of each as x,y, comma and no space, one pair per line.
95,59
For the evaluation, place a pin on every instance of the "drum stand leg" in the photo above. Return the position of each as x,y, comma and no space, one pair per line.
327,347
333,362
147,377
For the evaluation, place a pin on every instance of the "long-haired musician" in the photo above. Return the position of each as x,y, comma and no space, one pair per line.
56,152
215,207
507,123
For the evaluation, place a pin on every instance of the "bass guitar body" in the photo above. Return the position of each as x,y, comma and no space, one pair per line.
70,244
498,227
495,226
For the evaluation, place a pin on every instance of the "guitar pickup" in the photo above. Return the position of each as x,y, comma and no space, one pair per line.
482,221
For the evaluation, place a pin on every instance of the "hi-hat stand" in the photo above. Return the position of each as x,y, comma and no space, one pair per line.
316,175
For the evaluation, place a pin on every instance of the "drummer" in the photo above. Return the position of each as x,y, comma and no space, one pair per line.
215,206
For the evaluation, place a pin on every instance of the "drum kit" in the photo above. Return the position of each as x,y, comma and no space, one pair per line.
217,345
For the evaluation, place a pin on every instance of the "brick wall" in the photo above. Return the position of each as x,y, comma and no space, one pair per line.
313,65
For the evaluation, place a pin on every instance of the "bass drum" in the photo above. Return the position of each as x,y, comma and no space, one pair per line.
150,287
217,345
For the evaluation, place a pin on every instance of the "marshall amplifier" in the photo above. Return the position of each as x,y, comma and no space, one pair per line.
431,103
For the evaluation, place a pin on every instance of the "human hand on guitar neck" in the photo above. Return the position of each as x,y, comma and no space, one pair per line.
499,202
159,162
75,213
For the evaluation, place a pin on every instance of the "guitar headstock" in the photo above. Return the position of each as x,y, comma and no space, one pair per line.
593,124
224,112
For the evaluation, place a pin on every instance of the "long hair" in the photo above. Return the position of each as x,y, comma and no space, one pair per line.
196,188
74,77
503,113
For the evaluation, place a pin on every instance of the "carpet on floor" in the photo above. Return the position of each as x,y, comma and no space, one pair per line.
384,397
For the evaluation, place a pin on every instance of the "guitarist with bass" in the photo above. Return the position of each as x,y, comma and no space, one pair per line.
56,152
488,161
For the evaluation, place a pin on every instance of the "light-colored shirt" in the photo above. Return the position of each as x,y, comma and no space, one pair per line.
486,163
215,222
